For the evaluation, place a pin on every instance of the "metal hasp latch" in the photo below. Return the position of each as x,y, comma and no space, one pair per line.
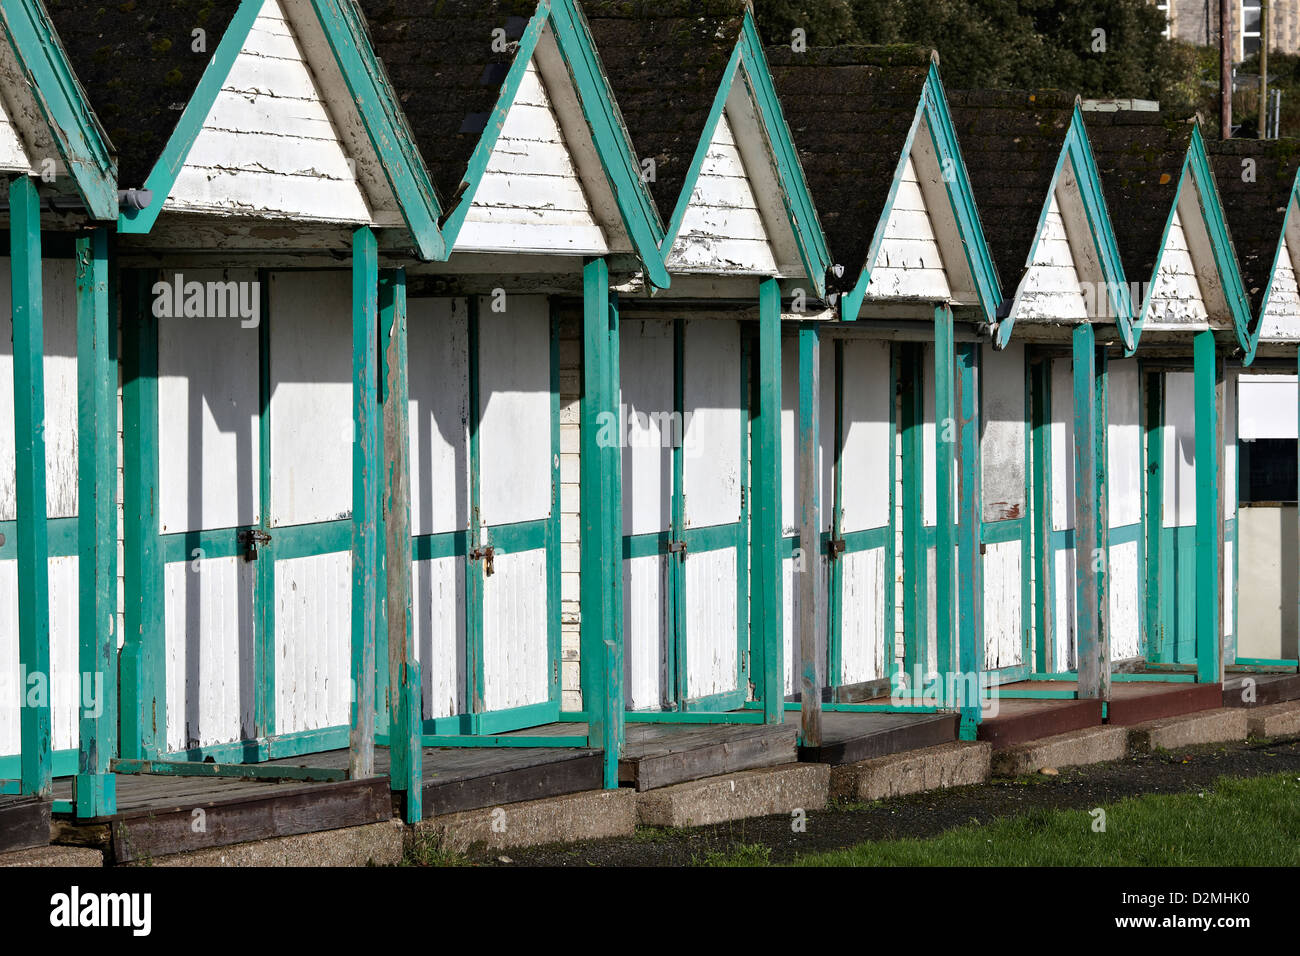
677,547
835,547
252,540
485,555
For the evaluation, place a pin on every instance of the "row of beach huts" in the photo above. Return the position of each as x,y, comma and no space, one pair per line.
414,407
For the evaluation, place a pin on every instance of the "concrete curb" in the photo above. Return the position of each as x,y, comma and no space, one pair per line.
590,815
1274,720
375,844
751,793
1072,749
53,856
1207,727
932,768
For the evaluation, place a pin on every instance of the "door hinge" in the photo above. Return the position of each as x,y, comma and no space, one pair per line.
485,555
252,540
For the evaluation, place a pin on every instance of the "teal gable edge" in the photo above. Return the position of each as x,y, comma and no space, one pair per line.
82,145
1258,327
1077,151
933,111
375,102
613,145
800,211
1197,164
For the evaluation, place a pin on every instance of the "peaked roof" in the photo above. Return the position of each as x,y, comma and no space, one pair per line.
1257,207
457,68
666,60
50,80
1141,155
138,62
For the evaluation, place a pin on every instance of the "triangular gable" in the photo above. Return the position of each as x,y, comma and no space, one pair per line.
904,239
543,190
294,118
47,113
1279,319
1073,272
1195,281
594,134
745,205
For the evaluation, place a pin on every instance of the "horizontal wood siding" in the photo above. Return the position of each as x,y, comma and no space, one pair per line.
909,264
1051,289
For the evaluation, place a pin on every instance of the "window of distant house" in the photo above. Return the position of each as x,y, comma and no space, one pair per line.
1163,7
1250,18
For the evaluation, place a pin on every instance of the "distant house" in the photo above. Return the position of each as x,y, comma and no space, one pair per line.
1197,21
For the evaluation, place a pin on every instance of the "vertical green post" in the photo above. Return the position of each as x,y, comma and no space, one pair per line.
613,550
31,530
1091,653
970,563
602,667
945,459
403,707
809,581
1101,558
915,571
1040,392
1153,512
365,499
768,624
95,787
1209,543
143,729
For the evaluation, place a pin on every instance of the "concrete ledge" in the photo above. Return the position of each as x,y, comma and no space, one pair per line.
590,815
375,844
751,793
53,856
1188,730
1078,747
932,768
1274,720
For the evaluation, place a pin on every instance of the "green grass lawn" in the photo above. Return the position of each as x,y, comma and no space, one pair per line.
1239,822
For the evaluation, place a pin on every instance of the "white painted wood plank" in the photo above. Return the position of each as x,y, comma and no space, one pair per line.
645,631
1003,432
1124,443
438,634
1180,450
1125,601
13,154
438,357
1267,407
515,665
711,452
865,616
652,428
864,458
711,646
313,638
1176,296
1003,607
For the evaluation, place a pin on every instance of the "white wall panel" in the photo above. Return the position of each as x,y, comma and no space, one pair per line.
313,641
438,634
516,670
438,358
711,646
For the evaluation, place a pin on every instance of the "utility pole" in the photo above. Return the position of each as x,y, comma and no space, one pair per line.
1263,69
1225,70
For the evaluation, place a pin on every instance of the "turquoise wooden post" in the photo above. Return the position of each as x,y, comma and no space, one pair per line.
1209,541
1153,511
970,564
1091,653
1101,557
365,499
31,527
809,576
406,755
945,458
915,572
602,669
766,638
95,788
143,665
612,467
1040,390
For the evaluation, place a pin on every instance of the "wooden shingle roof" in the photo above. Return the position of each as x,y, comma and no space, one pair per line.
850,110
1012,142
1140,155
139,68
665,60
441,61
1255,204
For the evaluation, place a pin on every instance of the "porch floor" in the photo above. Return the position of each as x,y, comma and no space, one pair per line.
1135,702
849,737
1269,689
1018,721
156,814
24,823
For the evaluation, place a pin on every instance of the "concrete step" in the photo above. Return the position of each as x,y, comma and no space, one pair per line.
1189,730
1260,690
76,856
1274,720
932,768
592,815
752,793
374,844
1078,747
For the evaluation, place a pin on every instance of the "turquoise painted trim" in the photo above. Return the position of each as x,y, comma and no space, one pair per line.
168,166
77,136
1225,257
1266,662
1040,422
32,523
1209,616
767,628
226,771
264,701
970,508
1077,151
747,716
385,123
501,743
795,706
475,664
63,763
365,498
946,438
719,106
95,788
63,538
260,749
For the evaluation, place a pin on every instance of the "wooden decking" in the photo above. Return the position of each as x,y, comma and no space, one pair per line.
849,737
24,823
158,815
1135,702
1019,721
1269,689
